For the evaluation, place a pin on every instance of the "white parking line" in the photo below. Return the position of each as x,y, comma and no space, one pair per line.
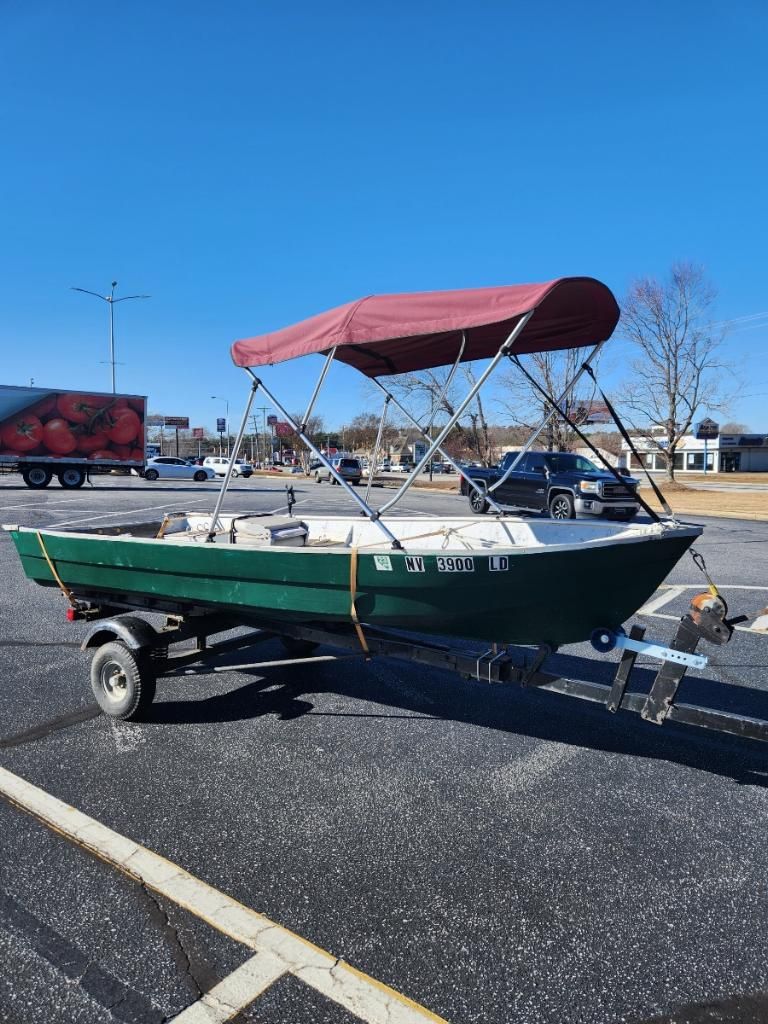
666,595
669,593
367,999
235,992
124,512
44,505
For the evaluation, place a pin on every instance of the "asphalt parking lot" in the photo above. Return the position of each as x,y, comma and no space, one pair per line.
492,854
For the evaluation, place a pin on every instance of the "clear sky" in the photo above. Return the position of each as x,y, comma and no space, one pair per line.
251,163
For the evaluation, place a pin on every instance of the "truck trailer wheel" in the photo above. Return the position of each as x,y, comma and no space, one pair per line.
122,682
36,477
71,477
561,506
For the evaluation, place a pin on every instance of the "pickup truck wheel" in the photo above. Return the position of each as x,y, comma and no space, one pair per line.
477,501
36,477
561,507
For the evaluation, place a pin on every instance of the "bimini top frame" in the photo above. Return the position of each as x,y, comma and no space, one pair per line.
389,334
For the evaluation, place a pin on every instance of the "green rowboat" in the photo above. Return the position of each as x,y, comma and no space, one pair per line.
509,580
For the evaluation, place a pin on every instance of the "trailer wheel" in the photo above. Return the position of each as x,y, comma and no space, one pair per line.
151,474
36,477
561,506
71,477
122,682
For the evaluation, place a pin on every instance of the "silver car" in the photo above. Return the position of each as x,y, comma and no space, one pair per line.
349,469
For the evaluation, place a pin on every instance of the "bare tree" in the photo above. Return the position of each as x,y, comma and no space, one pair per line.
426,398
678,370
734,428
527,408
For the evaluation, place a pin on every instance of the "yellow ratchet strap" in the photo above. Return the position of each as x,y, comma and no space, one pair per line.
62,585
353,610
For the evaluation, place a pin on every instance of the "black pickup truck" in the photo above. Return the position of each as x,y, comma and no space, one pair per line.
561,483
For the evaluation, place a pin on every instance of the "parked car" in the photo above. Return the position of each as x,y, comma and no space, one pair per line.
350,469
166,467
219,464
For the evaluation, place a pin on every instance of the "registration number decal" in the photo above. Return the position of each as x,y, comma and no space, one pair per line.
455,563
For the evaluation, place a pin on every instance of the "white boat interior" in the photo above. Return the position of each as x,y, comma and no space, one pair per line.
416,534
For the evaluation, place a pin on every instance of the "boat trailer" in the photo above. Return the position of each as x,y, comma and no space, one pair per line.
130,655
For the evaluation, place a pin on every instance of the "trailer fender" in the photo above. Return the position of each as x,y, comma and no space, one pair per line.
134,632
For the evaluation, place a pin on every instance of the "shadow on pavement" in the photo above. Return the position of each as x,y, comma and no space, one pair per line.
432,694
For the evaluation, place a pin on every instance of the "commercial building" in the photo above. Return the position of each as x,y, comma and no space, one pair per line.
727,453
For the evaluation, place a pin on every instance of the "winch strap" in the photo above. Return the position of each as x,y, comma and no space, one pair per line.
353,594
62,585
656,490
611,469
701,565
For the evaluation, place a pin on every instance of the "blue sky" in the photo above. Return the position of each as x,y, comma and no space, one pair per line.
249,164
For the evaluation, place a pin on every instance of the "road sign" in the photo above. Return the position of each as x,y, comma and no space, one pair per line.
181,422
198,432
271,421
706,430
221,425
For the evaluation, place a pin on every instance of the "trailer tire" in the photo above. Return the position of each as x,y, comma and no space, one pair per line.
36,477
123,682
71,477
151,474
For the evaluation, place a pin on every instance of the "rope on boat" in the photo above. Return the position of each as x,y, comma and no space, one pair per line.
62,585
353,610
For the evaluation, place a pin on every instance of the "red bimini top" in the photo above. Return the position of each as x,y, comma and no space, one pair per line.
386,334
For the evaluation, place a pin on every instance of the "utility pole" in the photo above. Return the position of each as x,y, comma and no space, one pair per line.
111,300
264,409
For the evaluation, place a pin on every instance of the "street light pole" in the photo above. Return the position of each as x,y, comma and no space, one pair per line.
111,300
218,398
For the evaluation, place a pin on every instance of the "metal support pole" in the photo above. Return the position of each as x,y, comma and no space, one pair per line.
231,463
316,392
503,351
369,512
470,482
554,411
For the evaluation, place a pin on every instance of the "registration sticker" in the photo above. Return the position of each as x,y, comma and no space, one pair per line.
383,563
455,563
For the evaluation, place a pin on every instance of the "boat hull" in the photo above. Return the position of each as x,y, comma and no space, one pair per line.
529,596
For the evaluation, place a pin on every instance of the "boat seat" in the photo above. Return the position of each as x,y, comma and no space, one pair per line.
270,530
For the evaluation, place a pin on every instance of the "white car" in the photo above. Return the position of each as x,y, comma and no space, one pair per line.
166,467
219,463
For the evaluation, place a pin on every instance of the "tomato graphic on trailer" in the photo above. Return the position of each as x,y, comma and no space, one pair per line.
38,424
